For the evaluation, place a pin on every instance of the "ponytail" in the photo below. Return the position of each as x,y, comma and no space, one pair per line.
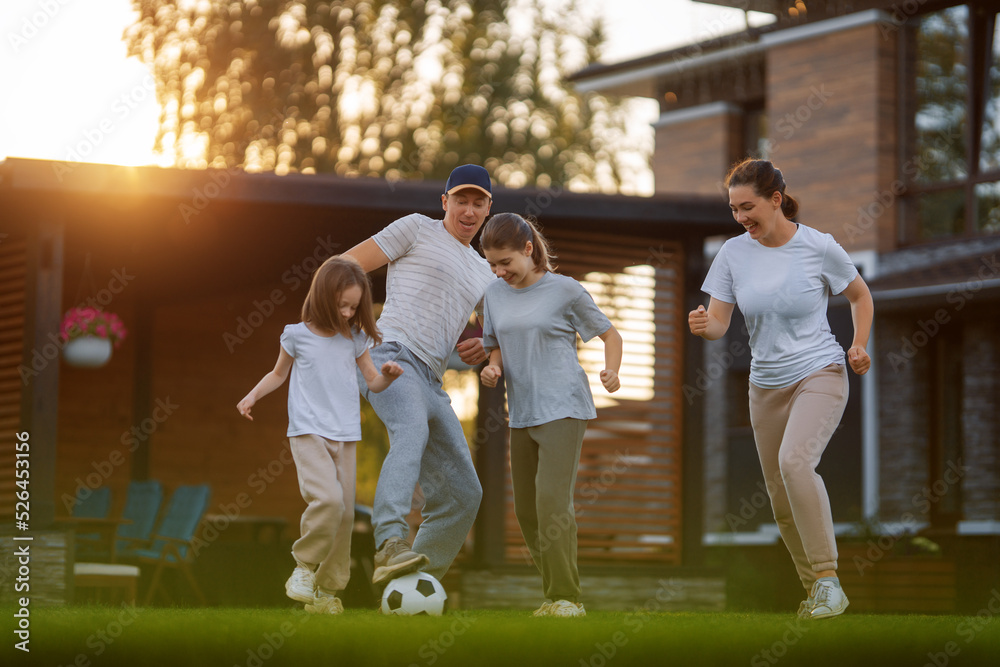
789,206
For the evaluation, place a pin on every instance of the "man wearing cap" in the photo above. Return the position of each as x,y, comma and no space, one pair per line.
434,283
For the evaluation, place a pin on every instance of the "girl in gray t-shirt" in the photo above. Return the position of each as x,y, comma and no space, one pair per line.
531,320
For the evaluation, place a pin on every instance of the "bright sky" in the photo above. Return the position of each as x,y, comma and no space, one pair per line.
64,59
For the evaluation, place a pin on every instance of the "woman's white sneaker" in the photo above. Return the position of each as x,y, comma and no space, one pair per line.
828,598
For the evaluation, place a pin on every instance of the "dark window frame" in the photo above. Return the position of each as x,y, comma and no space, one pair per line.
982,21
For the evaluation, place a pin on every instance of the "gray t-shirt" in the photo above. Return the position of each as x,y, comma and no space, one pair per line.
434,283
323,394
535,328
783,293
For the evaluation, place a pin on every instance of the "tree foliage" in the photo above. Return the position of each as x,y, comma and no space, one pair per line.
382,88
941,91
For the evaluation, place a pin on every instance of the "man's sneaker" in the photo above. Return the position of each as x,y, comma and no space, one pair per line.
828,598
566,608
301,584
396,558
543,610
325,603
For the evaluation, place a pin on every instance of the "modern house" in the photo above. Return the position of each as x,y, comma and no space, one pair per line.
884,118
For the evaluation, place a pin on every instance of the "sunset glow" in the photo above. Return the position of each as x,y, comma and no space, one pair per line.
74,95
77,97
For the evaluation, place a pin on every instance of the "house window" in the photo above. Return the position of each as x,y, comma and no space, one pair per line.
952,166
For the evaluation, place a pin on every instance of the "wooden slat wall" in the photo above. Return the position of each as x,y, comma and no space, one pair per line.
628,497
13,274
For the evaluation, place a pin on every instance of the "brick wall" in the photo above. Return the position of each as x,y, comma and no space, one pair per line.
49,578
981,439
904,415
716,439
903,419
692,156
831,117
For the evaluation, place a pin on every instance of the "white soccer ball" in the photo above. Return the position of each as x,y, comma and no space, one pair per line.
414,594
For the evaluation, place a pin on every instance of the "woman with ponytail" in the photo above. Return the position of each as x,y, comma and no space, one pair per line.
781,274
530,322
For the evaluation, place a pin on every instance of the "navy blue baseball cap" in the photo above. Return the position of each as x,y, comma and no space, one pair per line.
469,176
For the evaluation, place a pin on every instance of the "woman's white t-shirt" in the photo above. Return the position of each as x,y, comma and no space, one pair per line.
323,396
783,294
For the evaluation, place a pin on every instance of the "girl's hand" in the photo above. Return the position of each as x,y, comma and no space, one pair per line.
610,381
245,405
698,321
859,359
490,375
391,370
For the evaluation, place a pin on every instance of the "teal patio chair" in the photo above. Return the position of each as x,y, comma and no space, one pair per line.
142,505
172,544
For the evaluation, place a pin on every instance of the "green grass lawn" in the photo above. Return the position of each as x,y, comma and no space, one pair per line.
86,636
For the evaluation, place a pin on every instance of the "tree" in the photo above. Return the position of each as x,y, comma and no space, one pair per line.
380,88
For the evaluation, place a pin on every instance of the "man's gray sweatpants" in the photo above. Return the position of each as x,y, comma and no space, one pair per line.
426,445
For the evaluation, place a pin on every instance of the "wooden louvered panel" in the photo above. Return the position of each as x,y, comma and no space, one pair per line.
618,443
13,269
14,348
12,327
629,522
625,517
628,498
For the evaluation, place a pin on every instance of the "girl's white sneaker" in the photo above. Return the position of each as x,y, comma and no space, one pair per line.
566,608
301,584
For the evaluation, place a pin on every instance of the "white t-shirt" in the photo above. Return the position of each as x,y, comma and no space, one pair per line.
434,283
323,396
783,293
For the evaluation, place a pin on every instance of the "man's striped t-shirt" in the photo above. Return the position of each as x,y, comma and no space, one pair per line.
434,284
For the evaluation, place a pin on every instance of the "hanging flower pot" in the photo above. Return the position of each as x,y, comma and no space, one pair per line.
87,352
90,336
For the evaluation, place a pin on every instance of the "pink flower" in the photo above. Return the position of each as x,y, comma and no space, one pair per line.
86,321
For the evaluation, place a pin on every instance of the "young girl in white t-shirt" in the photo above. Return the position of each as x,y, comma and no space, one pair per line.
781,275
324,422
